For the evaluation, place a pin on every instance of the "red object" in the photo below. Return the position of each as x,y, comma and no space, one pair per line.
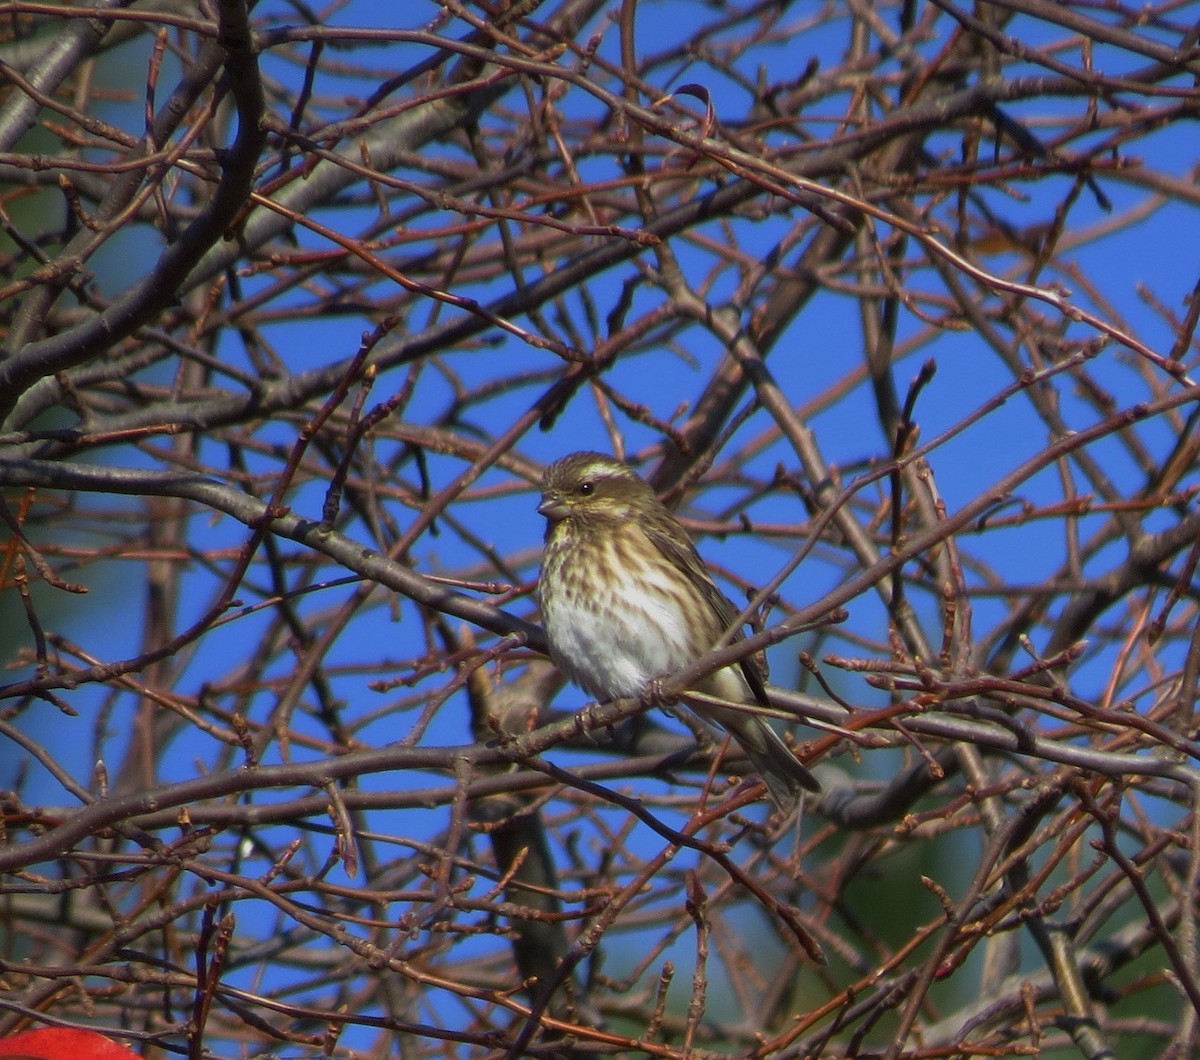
64,1043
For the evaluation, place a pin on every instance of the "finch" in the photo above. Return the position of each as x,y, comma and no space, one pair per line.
626,598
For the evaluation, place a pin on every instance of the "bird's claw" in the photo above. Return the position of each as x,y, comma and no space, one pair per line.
585,723
654,695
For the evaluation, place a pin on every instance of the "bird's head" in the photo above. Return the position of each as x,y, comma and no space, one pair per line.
592,486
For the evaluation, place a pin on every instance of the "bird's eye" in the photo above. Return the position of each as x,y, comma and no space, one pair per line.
585,489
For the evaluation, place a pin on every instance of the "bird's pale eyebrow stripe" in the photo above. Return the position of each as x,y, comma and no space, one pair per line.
601,471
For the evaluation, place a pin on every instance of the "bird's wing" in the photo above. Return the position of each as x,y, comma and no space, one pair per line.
678,550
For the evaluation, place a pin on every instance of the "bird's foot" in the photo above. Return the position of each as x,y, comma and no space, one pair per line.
654,695
585,722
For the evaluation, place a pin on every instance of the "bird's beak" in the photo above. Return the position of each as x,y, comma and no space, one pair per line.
553,508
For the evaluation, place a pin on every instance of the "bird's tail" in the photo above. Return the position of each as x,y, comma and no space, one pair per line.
783,772
785,776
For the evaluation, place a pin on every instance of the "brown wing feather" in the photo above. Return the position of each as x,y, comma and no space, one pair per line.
672,541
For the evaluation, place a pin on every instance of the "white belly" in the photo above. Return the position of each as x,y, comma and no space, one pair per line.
611,659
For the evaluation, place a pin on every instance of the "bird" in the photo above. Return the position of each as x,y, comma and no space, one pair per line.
626,599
